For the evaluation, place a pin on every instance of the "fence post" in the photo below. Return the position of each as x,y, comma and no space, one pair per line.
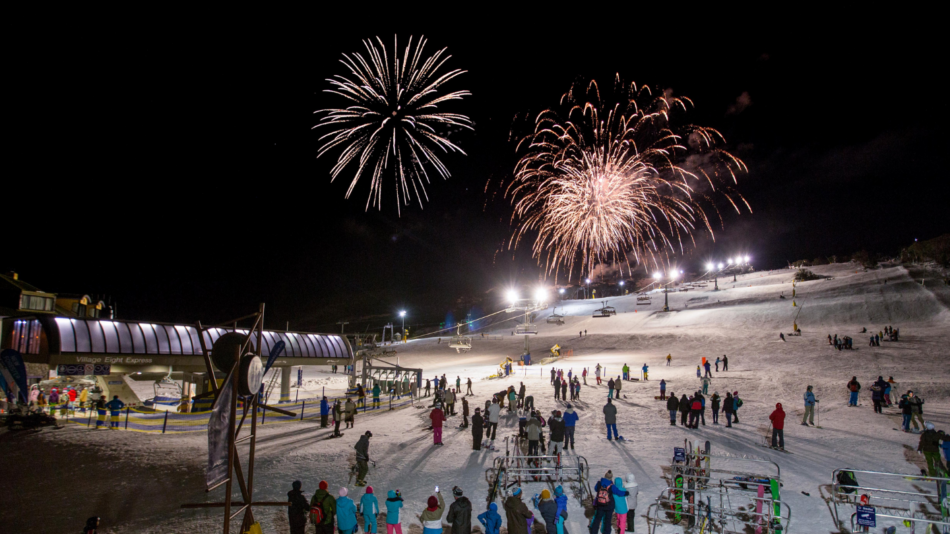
127,408
89,420
297,395
165,424
302,408
263,415
390,400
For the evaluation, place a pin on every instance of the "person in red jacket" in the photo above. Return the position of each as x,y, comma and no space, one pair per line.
437,416
778,427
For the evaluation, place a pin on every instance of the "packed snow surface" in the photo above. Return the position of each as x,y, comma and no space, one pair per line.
55,479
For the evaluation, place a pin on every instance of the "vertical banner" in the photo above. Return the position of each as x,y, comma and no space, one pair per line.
300,377
218,428
13,361
4,389
274,353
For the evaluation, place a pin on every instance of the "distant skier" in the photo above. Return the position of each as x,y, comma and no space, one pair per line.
337,418
584,375
610,419
553,375
725,362
521,392
781,336
736,404
853,388
469,391
669,359
877,394
708,367
929,446
646,372
672,405
597,373
618,385
716,403
705,385
376,392
778,427
610,388
563,389
557,389
362,458
570,421
626,372
810,402
729,407
477,427
437,416
684,406
662,389
717,363
349,413
493,412
699,373
907,411
115,408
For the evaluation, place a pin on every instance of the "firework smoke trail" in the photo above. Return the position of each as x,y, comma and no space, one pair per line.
603,183
392,119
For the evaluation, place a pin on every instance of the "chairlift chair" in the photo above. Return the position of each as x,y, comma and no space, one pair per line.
461,343
526,329
555,319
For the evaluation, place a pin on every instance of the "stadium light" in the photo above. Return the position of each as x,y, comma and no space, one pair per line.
710,266
746,259
540,294
512,296
657,276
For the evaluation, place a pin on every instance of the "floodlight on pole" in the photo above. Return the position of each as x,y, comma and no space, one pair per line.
540,294
512,296
720,266
402,314
710,267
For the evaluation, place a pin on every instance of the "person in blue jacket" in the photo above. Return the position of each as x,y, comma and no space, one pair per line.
491,520
393,505
809,407
561,501
620,507
345,513
324,413
369,507
115,407
570,421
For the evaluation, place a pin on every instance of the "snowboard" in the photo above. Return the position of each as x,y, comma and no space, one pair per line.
760,493
777,512
677,498
331,436
776,450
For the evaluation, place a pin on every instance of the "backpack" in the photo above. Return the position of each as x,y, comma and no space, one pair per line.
738,402
603,495
316,513
854,387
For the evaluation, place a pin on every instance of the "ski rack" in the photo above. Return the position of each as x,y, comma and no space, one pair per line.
516,469
889,502
705,482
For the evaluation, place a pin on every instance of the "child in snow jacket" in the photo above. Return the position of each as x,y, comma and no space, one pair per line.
491,520
561,501
345,513
431,517
369,507
548,508
620,506
393,505
517,513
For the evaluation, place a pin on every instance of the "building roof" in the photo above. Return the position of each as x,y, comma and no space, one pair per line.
106,336
20,284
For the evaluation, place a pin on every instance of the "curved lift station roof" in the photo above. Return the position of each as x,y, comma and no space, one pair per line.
94,341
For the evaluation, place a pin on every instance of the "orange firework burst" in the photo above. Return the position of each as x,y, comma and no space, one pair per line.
393,121
612,183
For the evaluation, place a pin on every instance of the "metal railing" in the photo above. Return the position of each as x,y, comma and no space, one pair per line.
908,503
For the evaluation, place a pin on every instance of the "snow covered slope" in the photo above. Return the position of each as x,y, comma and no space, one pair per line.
137,481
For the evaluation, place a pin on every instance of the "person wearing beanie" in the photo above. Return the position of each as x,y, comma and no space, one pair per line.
809,407
620,507
491,520
431,517
517,513
778,427
610,419
346,522
369,507
362,458
298,510
632,489
478,424
605,493
736,404
548,509
393,505
323,500
929,446
460,513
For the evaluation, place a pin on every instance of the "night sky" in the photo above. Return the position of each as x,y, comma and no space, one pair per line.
173,167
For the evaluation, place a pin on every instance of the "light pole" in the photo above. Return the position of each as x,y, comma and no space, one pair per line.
587,291
402,314
666,292
561,293
621,287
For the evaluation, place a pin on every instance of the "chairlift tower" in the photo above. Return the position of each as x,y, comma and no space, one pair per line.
526,328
